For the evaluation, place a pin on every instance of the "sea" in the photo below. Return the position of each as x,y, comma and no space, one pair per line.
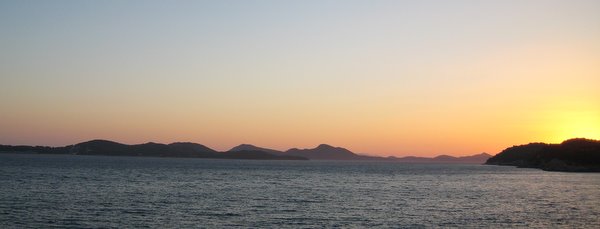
69,191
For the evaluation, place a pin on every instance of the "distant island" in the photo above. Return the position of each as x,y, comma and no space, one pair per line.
328,152
178,149
473,159
574,155
243,151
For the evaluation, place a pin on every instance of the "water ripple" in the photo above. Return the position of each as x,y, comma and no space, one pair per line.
40,191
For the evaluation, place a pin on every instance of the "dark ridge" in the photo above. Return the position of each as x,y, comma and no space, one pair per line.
151,149
474,159
244,151
248,147
325,152
35,149
258,155
573,155
444,158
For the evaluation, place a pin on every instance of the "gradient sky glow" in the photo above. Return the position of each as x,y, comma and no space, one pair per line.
377,77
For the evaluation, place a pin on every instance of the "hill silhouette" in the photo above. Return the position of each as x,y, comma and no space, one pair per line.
573,155
474,159
243,151
151,149
325,152
249,147
178,149
260,155
35,149
328,152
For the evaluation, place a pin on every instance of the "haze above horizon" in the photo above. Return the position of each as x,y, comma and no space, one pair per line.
387,78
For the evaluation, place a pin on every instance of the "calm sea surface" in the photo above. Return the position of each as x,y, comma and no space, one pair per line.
40,191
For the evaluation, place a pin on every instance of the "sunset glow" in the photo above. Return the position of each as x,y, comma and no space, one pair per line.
582,125
377,77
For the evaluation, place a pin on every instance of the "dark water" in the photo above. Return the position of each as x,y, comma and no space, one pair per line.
41,191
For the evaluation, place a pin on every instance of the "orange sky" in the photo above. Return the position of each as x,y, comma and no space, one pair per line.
380,78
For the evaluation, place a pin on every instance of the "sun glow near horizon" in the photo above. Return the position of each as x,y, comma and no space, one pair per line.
577,125
383,77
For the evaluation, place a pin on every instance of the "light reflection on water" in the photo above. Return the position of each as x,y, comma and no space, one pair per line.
95,191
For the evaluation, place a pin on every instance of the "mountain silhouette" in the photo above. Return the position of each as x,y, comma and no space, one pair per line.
444,158
325,152
477,158
35,149
573,155
243,151
150,149
474,159
248,147
259,155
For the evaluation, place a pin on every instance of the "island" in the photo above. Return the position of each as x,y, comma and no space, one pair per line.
243,151
573,155
150,149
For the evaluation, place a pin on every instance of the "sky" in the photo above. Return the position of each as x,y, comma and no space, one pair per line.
377,77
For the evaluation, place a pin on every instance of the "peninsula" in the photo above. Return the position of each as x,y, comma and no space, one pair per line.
574,155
